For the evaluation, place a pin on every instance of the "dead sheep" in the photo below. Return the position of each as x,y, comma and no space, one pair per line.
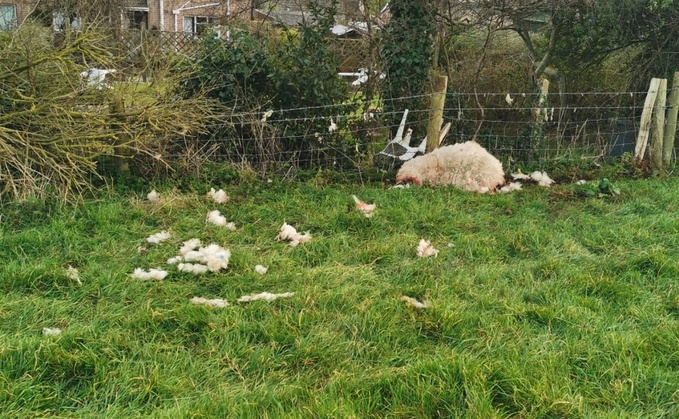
467,166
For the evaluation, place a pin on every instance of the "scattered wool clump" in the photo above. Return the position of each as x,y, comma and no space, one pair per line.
267,115
333,126
289,232
189,245
51,331
509,99
425,249
261,269
216,218
72,273
153,196
172,261
216,302
214,256
363,208
513,186
412,302
467,166
194,268
520,176
541,178
143,275
219,196
158,237
266,296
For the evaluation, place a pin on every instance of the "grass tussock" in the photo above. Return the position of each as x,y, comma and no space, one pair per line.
542,303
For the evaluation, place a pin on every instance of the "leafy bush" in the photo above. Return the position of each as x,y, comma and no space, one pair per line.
283,92
55,129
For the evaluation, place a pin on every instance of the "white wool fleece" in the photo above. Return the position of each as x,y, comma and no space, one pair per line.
467,166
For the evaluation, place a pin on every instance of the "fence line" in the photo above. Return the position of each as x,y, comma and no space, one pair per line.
349,140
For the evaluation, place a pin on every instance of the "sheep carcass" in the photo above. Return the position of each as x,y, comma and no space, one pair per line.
467,166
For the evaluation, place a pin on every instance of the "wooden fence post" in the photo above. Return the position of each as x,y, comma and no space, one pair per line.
438,101
120,155
645,126
671,124
658,125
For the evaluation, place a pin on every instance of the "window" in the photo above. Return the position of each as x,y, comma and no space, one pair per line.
137,19
61,21
8,16
197,24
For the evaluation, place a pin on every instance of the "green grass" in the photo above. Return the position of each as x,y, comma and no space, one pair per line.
543,304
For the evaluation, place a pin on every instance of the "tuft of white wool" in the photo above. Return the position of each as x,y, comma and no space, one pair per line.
51,331
266,296
72,273
172,261
189,245
262,270
214,256
153,196
363,208
143,275
541,178
219,196
158,237
214,303
520,176
513,186
267,115
509,99
216,218
299,239
467,166
581,182
412,302
288,232
425,249
333,126
96,77
194,268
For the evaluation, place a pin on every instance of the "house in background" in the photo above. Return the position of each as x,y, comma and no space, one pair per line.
191,16
296,12
11,13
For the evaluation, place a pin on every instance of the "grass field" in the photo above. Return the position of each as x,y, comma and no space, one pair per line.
542,303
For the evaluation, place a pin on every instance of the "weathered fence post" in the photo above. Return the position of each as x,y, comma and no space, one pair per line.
658,125
645,126
120,156
671,122
540,115
438,101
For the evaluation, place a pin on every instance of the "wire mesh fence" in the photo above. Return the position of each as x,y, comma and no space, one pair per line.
591,126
